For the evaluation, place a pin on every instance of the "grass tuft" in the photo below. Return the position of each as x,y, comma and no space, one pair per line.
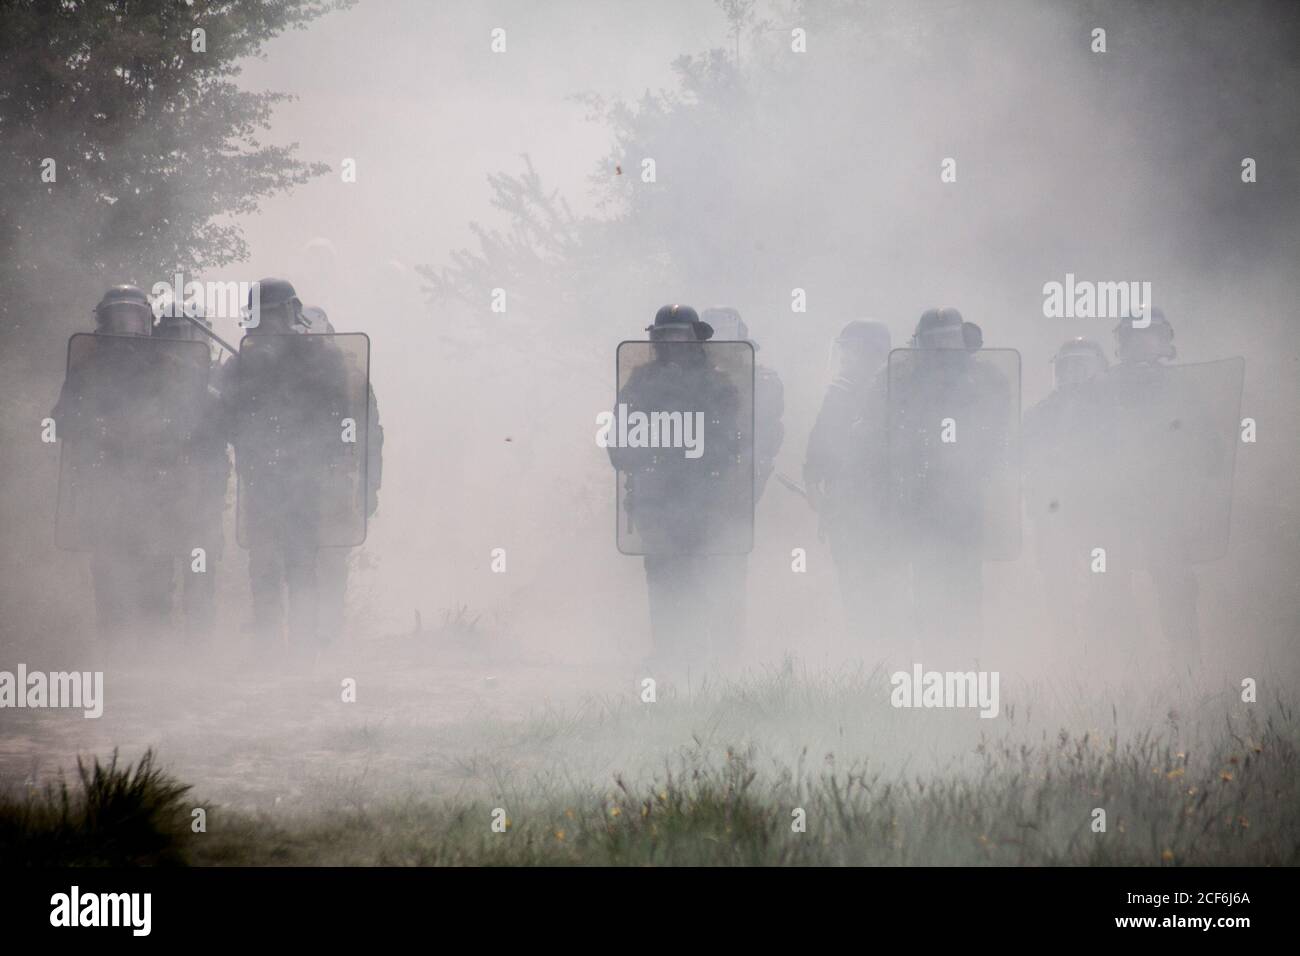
114,816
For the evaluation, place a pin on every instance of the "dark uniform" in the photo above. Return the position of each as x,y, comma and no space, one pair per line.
1158,450
729,573
943,493
108,464
202,508
846,481
681,509
289,455
332,563
1064,437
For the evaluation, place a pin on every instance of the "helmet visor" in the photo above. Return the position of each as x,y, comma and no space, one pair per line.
125,318
855,361
1076,369
941,337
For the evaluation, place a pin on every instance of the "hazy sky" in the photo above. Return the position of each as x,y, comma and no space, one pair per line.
411,90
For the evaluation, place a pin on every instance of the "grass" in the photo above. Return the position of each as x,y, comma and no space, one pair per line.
1222,792
1028,807
116,816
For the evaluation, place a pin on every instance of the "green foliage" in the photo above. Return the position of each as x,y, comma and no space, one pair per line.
1017,803
1216,795
119,816
152,142
542,238
776,169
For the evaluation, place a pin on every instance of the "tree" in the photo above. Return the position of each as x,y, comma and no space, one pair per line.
150,139
779,170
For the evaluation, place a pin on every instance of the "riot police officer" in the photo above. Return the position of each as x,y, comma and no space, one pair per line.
1152,526
332,562
950,418
286,447
103,474
1064,436
208,471
681,509
729,572
845,481
769,395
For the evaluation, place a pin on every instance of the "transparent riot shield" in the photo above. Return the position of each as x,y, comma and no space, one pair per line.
952,426
127,418
1173,433
682,442
1064,440
301,440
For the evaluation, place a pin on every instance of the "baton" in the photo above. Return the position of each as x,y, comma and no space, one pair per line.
209,333
790,485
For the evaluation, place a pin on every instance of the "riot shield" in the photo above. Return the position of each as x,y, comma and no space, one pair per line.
127,419
301,440
952,424
682,442
1173,433
1064,438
